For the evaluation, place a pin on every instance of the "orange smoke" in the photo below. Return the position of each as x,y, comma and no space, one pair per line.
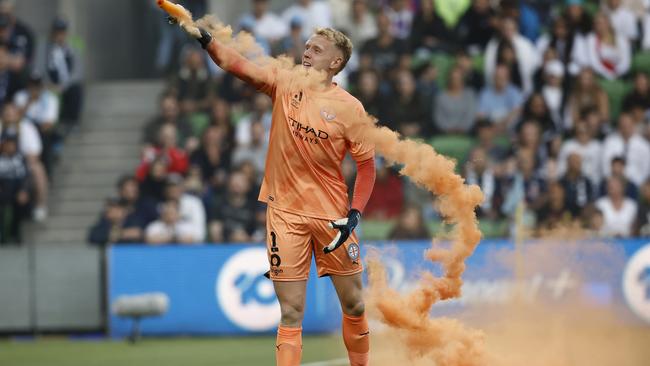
443,341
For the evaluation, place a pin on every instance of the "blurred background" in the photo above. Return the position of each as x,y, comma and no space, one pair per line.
119,136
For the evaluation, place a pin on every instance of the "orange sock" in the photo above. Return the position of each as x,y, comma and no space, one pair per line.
288,346
357,339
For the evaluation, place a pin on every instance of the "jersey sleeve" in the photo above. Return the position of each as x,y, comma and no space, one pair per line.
358,146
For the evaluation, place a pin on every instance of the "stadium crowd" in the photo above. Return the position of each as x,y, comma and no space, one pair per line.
38,107
544,103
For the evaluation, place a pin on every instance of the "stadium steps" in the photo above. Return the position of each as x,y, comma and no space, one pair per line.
105,146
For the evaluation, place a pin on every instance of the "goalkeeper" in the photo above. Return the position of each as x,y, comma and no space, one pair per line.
308,207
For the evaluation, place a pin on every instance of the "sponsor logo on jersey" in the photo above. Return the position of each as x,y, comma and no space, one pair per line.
307,133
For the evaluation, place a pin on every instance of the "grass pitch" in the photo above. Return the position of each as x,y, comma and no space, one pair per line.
235,351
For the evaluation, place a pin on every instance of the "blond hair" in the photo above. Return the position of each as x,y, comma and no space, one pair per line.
340,40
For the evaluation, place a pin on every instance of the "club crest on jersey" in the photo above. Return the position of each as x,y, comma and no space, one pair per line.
327,114
353,251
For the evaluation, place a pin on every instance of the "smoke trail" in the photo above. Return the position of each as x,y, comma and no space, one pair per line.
437,341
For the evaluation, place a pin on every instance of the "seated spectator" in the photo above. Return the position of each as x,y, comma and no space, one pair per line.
631,146
486,134
514,50
12,80
210,158
477,26
113,226
360,24
623,20
175,158
368,93
618,170
261,47
404,112
18,37
170,228
451,11
193,83
429,33
619,212
578,189
410,225
524,185
586,94
479,171
169,114
642,223
139,208
313,14
383,52
14,188
577,18
153,184
473,78
553,93
526,16
455,107
65,72
30,146
401,18
266,24
562,41
500,102
588,148
233,213
637,101
537,110
554,213
261,113
255,150
41,107
293,44
605,51
387,198
190,208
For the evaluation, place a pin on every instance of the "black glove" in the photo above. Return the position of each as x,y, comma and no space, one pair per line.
205,38
345,226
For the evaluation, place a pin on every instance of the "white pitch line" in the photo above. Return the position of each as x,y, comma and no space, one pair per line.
338,361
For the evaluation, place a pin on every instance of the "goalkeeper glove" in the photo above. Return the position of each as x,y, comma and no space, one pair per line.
204,37
345,226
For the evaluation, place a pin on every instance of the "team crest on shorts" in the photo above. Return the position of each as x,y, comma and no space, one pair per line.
353,251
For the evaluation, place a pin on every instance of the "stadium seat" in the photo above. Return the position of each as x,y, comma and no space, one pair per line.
616,90
478,62
375,229
199,121
453,146
494,228
443,64
641,62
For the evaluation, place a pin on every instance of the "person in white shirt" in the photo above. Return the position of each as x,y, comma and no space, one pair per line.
169,229
313,14
619,212
401,18
623,20
588,148
359,25
631,146
604,50
266,24
553,92
191,209
645,43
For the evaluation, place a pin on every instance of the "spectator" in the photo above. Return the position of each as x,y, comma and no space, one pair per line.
619,212
524,186
429,32
477,26
486,134
10,81
479,171
451,10
645,43
174,158
210,159
140,209
313,14
30,146
618,170
632,147
642,224
623,20
262,46
14,188
293,44
578,189
266,24
261,113
17,36
233,213
473,78
368,93
553,92
637,101
41,107
514,50
360,25
554,214
501,101
255,150
405,112
586,94
169,114
577,18
562,41
192,82
410,225
170,229
113,227
588,148
537,110
605,51
190,208
387,198
65,72
153,184
400,17
385,51
455,108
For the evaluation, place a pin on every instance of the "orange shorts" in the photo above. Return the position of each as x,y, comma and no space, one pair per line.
291,239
